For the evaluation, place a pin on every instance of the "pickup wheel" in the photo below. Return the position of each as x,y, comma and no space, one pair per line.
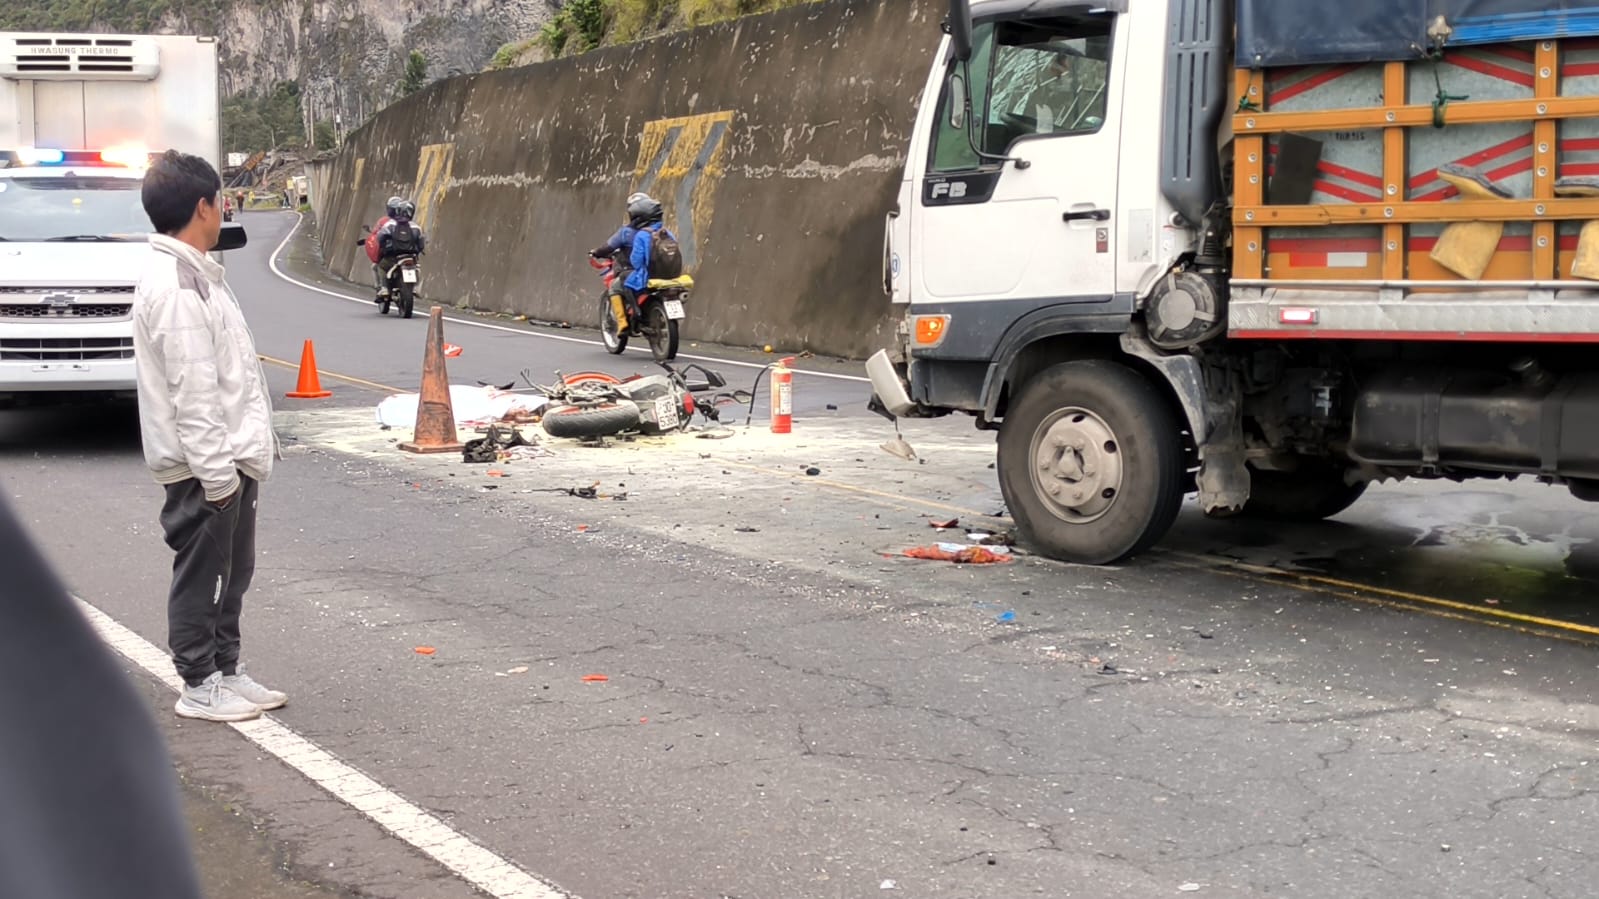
1309,494
1090,463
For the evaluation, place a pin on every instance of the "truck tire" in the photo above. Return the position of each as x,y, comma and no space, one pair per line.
587,422
1091,463
1309,494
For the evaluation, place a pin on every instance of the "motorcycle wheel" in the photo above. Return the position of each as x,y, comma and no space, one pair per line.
615,341
407,299
582,422
662,332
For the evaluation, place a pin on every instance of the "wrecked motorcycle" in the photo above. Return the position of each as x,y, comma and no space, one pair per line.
590,405
660,308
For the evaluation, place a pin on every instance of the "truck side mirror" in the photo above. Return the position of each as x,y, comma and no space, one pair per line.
957,101
231,238
959,26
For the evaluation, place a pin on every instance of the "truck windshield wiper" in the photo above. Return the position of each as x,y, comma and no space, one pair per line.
89,238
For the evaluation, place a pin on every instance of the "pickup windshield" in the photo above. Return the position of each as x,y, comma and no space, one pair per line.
72,207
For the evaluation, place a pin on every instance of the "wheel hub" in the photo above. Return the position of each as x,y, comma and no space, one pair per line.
1076,465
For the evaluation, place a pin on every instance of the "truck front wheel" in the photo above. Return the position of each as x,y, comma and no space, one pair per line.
1091,463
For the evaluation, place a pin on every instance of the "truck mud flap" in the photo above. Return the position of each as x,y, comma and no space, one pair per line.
1478,421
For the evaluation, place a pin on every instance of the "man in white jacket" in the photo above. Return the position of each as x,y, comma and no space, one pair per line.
207,425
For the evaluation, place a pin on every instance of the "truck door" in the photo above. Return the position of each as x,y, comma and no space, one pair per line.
1046,91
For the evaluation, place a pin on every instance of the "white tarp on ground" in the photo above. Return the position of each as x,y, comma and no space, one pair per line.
472,406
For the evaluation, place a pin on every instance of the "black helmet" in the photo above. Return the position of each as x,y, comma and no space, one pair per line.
644,211
393,207
404,211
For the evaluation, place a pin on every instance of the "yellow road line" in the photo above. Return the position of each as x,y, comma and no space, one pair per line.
1359,593
1324,582
359,382
1308,583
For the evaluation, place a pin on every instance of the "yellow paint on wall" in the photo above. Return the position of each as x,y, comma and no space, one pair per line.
433,169
680,161
360,172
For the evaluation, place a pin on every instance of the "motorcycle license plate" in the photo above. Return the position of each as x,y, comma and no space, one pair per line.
666,417
408,275
674,309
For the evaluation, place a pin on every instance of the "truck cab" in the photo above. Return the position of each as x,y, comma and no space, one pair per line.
1240,248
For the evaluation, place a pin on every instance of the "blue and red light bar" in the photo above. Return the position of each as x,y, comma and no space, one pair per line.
114,157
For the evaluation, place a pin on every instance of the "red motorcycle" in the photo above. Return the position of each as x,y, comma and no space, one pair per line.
660,308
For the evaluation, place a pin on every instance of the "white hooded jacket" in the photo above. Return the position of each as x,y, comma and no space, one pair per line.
204,410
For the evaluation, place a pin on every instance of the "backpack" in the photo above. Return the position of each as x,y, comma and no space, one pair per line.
402,240
666,257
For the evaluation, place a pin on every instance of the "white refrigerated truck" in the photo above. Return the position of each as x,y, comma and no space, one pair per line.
79,116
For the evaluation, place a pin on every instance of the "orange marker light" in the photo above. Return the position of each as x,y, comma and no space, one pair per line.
930,329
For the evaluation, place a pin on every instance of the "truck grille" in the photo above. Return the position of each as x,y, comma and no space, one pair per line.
65,349
79,310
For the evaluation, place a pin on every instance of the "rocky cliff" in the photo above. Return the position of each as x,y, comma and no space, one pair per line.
348,56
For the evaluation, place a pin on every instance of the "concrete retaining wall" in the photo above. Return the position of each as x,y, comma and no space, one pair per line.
775,142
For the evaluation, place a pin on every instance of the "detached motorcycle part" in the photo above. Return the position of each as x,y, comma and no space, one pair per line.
584,422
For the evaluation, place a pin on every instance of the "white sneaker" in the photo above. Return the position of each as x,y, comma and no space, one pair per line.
212,701
264,699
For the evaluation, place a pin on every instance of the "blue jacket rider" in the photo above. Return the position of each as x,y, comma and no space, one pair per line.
645,217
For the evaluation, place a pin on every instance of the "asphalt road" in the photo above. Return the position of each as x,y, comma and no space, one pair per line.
789,711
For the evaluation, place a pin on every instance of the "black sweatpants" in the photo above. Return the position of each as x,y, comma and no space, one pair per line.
212,571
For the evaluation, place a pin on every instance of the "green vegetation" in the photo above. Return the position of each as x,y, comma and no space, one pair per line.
120,15
416,74
266,121
583,25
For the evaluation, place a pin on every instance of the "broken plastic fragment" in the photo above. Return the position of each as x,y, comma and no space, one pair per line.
595,678
425,650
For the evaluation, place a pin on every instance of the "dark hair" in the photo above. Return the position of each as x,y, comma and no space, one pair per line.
173,185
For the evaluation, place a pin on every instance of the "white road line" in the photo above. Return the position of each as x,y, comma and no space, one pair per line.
478,866
367,301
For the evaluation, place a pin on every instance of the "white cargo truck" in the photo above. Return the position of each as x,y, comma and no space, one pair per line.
80,115
1265,251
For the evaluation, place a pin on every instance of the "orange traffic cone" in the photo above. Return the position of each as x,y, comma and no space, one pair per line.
435,417
310,386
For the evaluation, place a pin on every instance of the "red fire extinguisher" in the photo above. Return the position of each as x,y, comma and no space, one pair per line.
783,396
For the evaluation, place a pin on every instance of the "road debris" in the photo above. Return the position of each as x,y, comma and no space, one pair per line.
520,669
945,525
595,678
959,554
1189,888
495,446
451,351
1005,617
425,650
889,885
472,405
898,447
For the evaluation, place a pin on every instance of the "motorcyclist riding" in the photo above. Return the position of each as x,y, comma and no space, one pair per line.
638,237
396,237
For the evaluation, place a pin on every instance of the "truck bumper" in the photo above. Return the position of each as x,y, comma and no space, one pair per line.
889,388
112,376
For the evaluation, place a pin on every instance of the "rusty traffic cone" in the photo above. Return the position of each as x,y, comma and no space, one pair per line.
435,417
310,386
